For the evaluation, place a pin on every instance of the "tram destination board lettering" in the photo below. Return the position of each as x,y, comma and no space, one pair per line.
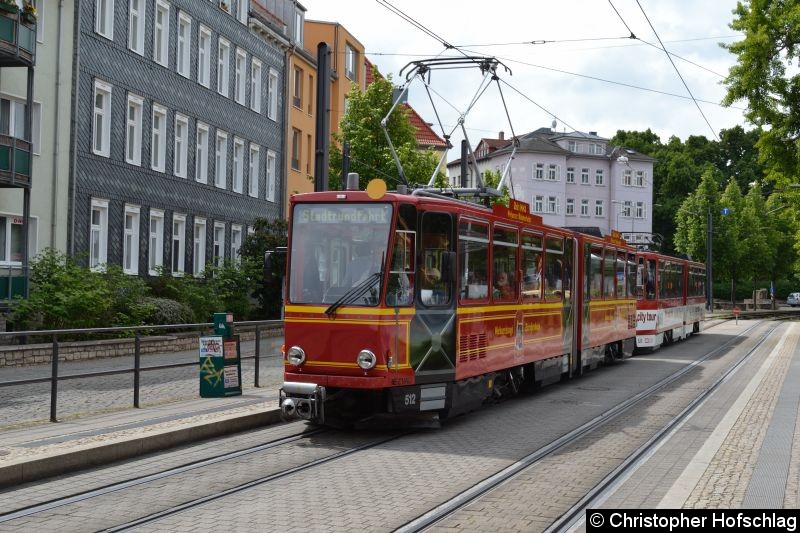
680,520
360,214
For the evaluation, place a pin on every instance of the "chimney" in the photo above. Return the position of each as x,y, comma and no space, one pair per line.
502,135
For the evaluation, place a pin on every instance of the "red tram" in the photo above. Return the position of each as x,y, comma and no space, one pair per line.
415,303
671,304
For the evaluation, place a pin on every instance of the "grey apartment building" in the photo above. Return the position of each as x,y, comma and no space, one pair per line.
177,138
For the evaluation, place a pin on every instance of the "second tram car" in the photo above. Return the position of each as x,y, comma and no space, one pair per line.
414,304
672,299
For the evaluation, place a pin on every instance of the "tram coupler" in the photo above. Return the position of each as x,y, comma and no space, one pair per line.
303,401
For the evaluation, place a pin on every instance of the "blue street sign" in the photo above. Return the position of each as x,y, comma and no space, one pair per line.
726,211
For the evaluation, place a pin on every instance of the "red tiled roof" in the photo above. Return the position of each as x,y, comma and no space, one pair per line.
425,135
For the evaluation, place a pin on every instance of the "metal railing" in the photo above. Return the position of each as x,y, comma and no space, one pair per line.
137,369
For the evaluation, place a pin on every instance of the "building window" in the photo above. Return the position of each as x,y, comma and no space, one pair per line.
310,107
272,95
201,154
40,21
296,140
309,153
130,241
598,208
254,170
239,76
570,175
297,95
133,130
598,176
158,141
98,236
156,255
161,34
538,172
627,208
552,204
570,206
11,238
238,164
552,172
627,177
101,136
219,243
585,176
236,243
178,244
12,121
639,209
299,22
181,154
538,204
199,256
223,66
221,160
136,18
572,146
104,18
204,57
241,11
584,208
271,175
640,178
255,85
183,53
350,62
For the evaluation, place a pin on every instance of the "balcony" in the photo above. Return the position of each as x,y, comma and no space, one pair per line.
15,162
17,38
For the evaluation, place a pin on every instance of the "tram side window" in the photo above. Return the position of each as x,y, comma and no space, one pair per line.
400,290
650,280
608,274
680,276
435,289
554,268
473,258
504,254
568,255
596,273
621,275
531,267
631,279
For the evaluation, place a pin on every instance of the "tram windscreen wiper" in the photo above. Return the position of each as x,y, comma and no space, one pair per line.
355,293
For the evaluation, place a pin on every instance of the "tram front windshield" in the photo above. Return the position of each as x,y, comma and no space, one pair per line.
338,252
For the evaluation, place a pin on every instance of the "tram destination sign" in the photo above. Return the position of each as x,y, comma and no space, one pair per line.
516,210
339,214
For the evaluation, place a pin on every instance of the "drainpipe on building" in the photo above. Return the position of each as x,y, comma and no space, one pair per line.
54,190
286,88
76,64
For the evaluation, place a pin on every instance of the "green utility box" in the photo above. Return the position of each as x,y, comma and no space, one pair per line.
220,360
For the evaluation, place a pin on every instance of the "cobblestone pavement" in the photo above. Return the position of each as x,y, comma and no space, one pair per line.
26,404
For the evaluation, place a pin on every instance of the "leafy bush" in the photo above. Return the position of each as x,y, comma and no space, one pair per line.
166,311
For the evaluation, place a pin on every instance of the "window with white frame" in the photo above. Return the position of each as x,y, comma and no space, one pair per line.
136,20
271,175
584,176
627,208
12,241
221,160
236,243
272,95
254,170
133,130
130,240
640,178
538,204
201,154
199,256
41,21
639,209
296,140
12,121
161,34
255,85
598,208
101,135
570,206
223,66
584,208
570,174
552,204
181,154
299,22
158,140
104,18
156,241
538,171
98,234
598,176
350,62
178,244
238,164
219,243
240,71
241,11
184,43
204,57
552,172
572,146
627,177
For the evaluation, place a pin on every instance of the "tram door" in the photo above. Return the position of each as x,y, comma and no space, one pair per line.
433,336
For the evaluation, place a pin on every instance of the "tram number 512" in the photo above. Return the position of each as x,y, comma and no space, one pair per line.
410,399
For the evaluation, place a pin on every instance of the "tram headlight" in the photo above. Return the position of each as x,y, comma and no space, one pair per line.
296,356
366,359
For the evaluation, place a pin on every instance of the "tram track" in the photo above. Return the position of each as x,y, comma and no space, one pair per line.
572,516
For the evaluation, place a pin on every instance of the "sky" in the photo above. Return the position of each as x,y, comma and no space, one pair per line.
585,42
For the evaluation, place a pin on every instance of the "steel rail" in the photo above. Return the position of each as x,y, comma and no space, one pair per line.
132,482
464,498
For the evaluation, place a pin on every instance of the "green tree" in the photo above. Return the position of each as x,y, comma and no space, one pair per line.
268,235
760,239
729,245
692,217
765,78
370,154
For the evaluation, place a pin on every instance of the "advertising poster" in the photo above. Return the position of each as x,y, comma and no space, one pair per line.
231,377
211,346
231,349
